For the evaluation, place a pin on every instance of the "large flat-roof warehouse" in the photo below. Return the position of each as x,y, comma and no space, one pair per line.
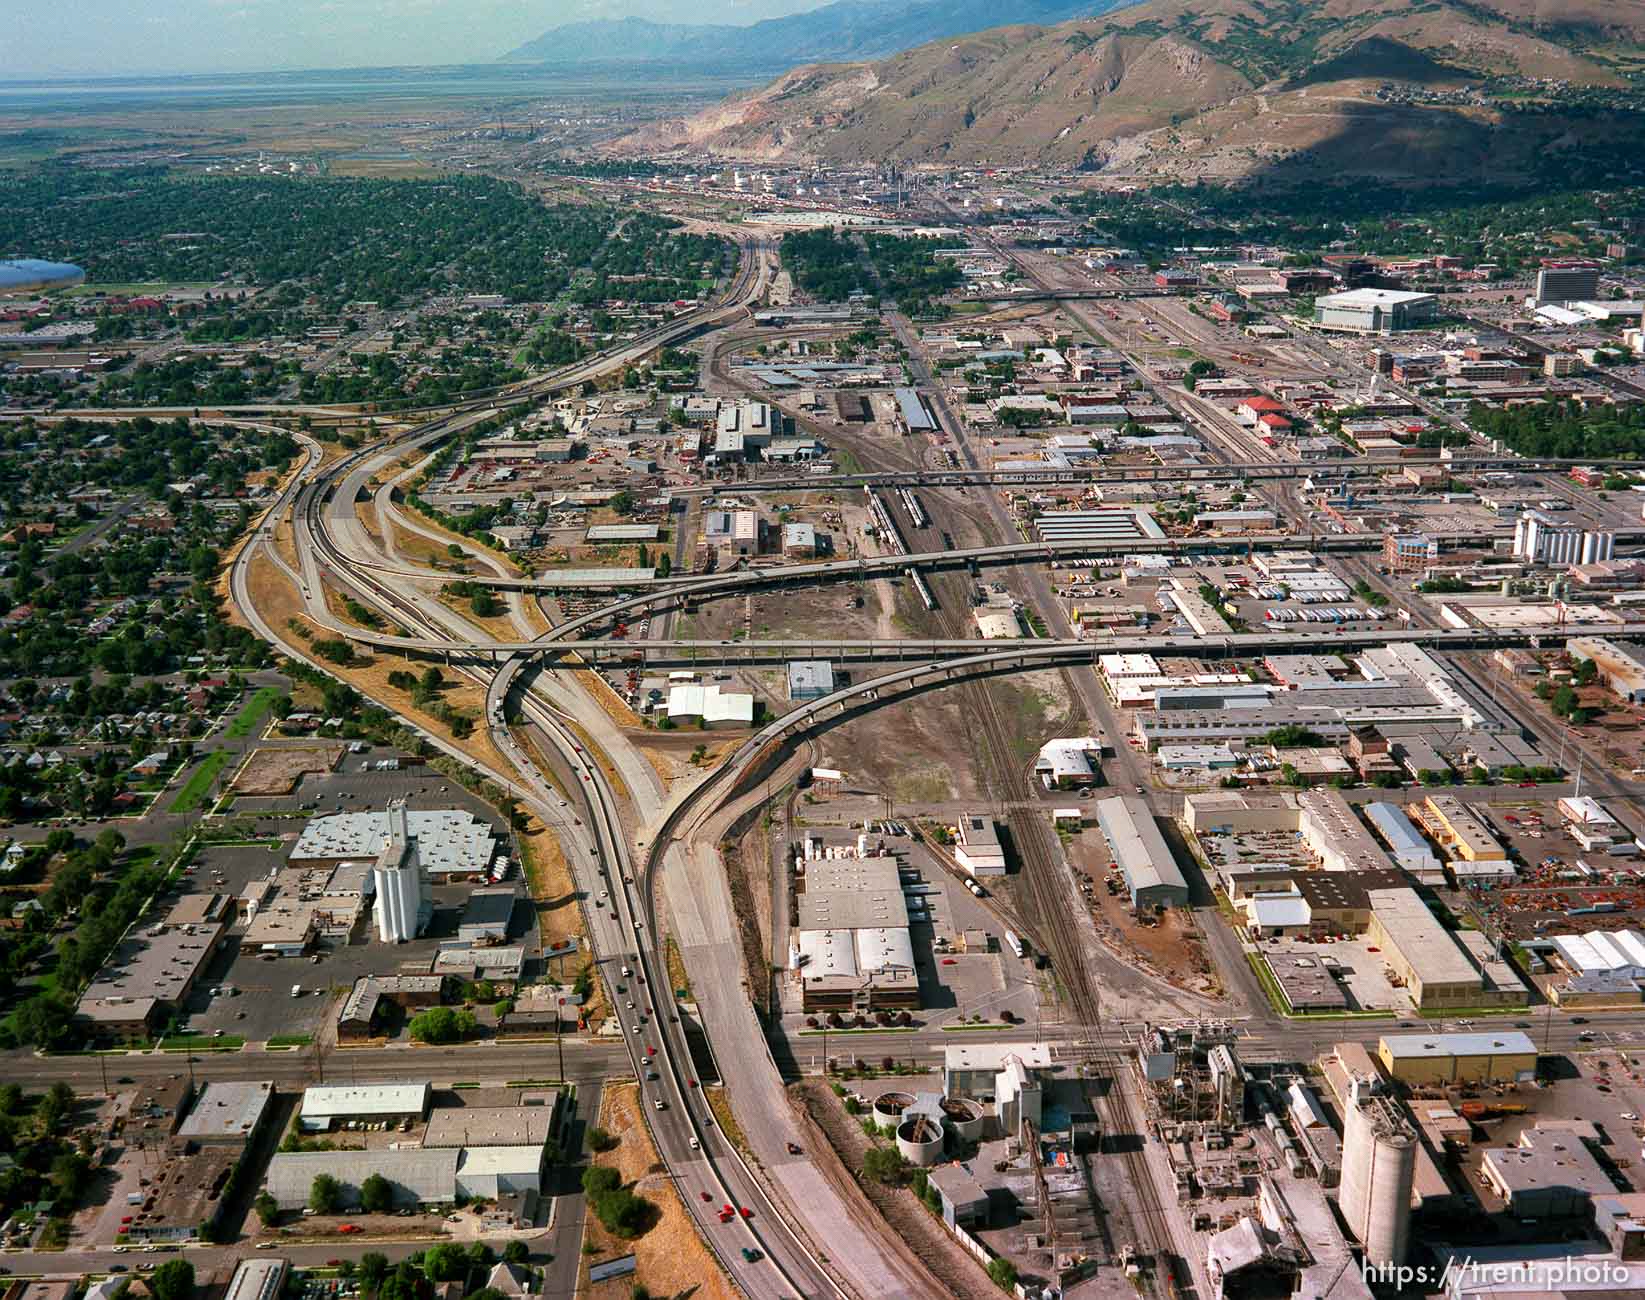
852,947
151,971
450,842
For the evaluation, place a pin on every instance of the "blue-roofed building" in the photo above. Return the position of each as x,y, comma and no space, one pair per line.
30,275
914,414
1405,843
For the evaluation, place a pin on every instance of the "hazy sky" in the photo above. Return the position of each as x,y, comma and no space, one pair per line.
70,37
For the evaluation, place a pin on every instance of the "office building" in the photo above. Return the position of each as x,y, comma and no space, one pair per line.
1570,282
1409,552
148,977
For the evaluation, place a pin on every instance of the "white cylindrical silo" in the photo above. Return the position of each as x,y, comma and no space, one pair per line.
398,901
1378,1166
1590,547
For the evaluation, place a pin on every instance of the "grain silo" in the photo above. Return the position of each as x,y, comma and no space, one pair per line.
1378,1165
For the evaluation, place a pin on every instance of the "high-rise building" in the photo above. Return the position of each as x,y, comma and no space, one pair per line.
1567,282
403,910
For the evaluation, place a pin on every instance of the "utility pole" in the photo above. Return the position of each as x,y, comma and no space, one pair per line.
559,1037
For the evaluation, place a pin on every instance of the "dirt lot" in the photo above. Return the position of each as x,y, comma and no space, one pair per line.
1172,949
915,751
280,605
277,771
671,1259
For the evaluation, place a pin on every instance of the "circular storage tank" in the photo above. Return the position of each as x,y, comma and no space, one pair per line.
920,1141
889,1106
965,1117
1378,1168
31,275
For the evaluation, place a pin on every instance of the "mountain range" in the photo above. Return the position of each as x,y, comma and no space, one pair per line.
847,29
1220,89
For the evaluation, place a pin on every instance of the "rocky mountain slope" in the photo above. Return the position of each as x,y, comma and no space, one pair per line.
1220,88
847,29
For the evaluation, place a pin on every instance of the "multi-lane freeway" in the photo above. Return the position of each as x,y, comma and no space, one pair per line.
629,841
333,547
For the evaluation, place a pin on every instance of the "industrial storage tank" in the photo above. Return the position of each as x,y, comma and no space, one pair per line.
920,1140
889,1106
966,1118
1378,1166
31,275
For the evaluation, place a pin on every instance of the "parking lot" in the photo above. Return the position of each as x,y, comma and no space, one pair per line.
262,1006
349,789
255,1000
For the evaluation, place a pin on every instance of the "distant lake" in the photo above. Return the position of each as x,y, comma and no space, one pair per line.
254,89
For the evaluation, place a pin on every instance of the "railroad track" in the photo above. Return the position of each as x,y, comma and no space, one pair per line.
1047,920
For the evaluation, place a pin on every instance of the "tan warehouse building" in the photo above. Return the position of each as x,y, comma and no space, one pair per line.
1426,1060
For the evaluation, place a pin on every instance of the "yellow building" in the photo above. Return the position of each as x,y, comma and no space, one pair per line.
1459,829
1420,1060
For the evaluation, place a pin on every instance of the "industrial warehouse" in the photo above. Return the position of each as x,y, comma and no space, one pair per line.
852,946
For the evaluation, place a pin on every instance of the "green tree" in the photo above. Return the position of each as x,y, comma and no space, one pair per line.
55,1106
442,1025
173,1280
516,1252
44,1020
885,1165
376,1195
325,1194
373,1269
445,1262
70,1173
268,1209
1002,1273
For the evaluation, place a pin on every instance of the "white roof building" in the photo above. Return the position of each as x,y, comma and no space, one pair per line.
714,706
228,1111
254,1279
415,1176
1601,950
324,1105
449,841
